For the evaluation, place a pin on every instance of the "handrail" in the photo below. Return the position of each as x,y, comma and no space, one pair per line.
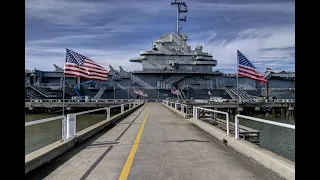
195,114
72,118
43,120
69,121
64,127
259,120
95,100
85,112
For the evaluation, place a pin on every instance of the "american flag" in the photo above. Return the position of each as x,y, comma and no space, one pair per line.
247,69
138,92
175,91
78,65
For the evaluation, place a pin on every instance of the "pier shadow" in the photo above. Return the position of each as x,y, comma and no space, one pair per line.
109,144
44,170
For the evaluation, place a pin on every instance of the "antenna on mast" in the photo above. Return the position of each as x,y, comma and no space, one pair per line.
179,10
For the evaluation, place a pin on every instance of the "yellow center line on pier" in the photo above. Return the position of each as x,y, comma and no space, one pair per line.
127,166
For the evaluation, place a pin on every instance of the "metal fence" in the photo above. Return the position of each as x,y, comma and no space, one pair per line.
69,121
195,115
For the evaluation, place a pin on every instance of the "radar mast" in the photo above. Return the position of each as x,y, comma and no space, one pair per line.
179,10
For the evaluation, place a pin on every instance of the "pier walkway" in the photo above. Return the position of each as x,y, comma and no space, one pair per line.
153,143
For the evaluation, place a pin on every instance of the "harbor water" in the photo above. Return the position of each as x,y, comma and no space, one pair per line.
277,139
43,134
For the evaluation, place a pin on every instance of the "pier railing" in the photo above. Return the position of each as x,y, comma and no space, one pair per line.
215,112
91,100
258,120
195,115
70,120
63,118
71,100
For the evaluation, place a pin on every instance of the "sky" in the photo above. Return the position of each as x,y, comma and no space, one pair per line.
111,31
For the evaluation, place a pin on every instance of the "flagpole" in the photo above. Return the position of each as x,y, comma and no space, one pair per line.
267,89
63,88
238,80
63,92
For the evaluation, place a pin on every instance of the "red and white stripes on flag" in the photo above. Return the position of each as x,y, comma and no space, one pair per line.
175,91
247,69
77,65
139,92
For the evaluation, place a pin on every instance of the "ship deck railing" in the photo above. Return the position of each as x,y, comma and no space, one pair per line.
90,100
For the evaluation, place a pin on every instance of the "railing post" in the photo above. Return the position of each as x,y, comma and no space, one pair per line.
175,105
195,113
236,129
108,113
64,128
215,115
122,108
182,108
227,119
129,105
71,126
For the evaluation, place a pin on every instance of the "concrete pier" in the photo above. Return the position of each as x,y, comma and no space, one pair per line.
153,143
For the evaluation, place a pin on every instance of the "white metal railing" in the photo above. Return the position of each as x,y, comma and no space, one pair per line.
175,105
69,121
279,89
283,75
48,120
259,120
196,115
72,118
71,100
49,84
285,100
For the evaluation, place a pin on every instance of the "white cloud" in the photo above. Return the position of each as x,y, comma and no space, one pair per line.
286,7
75,12
250,42
44,57
43,53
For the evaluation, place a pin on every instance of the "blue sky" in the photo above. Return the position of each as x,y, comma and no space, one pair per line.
110,32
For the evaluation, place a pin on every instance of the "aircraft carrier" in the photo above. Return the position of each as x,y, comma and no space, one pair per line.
170,64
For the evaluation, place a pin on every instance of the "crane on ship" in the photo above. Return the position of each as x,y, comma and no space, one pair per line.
76,87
